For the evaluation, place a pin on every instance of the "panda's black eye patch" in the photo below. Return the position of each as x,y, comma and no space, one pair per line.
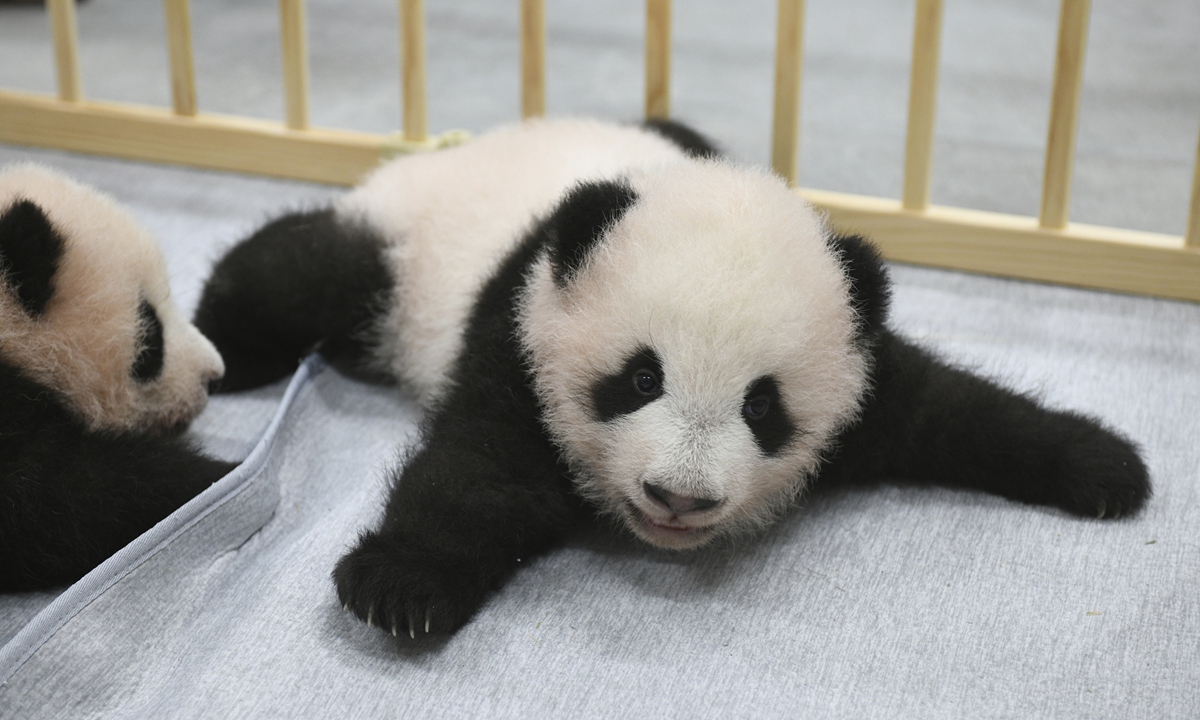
762,407
149,361
638,383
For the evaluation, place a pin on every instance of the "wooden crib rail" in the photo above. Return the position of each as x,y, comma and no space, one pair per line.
909,229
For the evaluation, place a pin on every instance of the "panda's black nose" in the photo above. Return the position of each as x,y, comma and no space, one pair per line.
676,503
214,385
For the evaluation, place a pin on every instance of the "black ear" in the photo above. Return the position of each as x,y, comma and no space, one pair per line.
870,288
580,220
30,249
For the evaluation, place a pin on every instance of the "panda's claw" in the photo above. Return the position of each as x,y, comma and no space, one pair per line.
1100,514
428,612
393,629
370,616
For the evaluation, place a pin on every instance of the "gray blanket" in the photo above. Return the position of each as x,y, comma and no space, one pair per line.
886,602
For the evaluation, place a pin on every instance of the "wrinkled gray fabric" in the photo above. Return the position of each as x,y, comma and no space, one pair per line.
872,603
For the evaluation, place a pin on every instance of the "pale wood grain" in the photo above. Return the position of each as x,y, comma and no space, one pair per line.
179,48
789,53
294,45
1192,234
412,68
533,58
922,104
1013,246
658,58
66,48
1064,113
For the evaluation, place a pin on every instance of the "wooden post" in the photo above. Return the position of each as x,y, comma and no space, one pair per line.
789,54
66,48
179,47
658,58
1064,113
1191,236
295,62
533,58
412,68
922,104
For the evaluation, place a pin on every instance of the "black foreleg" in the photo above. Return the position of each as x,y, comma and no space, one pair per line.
928,422
303,279
480,497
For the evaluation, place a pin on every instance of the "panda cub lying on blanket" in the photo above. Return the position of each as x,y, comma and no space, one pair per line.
610,319
98,372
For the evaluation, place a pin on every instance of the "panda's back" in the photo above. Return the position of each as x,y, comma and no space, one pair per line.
448,218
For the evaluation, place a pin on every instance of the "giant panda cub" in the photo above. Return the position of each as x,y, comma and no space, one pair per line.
98,373
613,320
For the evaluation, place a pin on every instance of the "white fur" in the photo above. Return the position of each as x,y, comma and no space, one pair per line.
721,269
450,216
85,343
724,273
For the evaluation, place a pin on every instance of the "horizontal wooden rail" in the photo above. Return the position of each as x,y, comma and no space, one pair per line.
1014,246
220,142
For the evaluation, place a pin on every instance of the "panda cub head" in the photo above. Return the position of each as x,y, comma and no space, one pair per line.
85,308
696,344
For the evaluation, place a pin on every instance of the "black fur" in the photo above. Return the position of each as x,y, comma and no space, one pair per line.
929,423
30,249
774,430
690,141
870,290
303,279
149,361
485,491
69,498
580,221
617,395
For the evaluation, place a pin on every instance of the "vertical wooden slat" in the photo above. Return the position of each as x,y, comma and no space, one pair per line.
66,48
179,46
922,104
533,58
294,44
789,53
1191,237
412,67
658,58
1064,113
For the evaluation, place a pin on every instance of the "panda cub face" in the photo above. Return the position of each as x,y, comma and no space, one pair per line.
693,345
85,308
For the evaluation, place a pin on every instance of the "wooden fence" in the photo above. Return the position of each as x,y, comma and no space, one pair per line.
910,229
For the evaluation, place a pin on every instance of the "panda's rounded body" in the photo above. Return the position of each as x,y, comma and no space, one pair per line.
97,367
602,314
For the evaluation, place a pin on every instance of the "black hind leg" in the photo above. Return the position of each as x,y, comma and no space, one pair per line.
304,279
928,422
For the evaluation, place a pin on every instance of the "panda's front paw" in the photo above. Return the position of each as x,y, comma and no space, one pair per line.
390,583
1104,477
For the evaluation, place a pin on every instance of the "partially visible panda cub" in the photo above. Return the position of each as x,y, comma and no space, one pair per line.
98,373
606,319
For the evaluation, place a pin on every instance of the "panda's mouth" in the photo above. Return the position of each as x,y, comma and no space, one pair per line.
672,533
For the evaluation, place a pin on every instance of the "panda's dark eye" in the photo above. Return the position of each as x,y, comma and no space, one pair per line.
756,408
149,361
646,382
